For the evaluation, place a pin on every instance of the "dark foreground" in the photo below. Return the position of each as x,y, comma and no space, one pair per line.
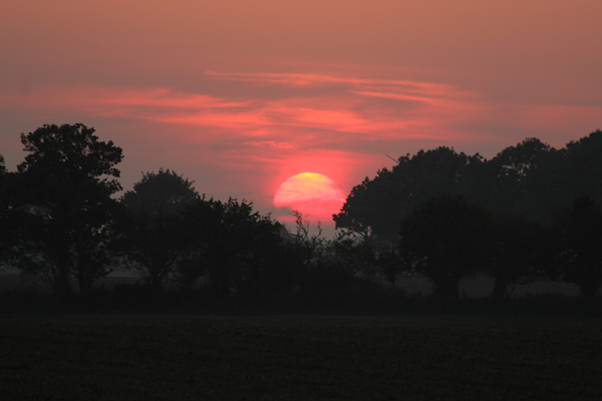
297,358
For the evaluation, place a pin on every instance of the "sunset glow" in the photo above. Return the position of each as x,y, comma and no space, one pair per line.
312,194
240,96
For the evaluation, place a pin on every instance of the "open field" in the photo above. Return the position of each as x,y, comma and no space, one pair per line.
166,357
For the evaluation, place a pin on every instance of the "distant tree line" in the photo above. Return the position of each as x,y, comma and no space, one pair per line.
60,221
531,212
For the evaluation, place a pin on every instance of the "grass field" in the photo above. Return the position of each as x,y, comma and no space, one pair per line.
170,357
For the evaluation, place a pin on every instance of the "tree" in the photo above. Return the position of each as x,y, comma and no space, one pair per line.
390,264
446,239
5,229
379,205
370,258
164,192
578,233
581,173
529,179
516,177
65,187
517,251
236,249
533,179
152,237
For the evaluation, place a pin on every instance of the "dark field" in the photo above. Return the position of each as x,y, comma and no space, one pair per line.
167,357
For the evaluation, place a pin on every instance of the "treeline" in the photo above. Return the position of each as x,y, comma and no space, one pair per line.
438,213
531,212
61,222
531,179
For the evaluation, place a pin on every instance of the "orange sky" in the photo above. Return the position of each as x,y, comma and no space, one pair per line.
240,95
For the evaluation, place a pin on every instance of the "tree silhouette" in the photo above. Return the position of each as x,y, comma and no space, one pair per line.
379,205
446,239
578,234
370,258
151,231
235,249
513,173
517,247
164,192
65,187
5,226
530,179
581,173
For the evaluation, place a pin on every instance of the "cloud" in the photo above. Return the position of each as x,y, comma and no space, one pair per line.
314,111
329,124
269,144
308,111
299,80
368,108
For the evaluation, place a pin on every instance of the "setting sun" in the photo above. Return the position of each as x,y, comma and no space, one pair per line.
310,193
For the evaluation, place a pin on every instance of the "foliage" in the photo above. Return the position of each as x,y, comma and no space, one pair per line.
518,253
64,197
378,206
529,179
235,248
151,235
579,174
5,226
512,174
459,215
445,238
370,258
577,232
164,192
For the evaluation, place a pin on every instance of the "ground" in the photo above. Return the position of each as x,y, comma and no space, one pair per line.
164,357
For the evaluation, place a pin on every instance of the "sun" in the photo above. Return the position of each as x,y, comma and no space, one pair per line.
311,194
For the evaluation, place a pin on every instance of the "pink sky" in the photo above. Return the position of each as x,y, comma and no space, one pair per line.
240,95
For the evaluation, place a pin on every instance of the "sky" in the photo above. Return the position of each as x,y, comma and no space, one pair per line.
240,96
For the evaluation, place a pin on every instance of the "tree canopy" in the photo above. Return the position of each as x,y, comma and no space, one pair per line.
531,179
446,239
441,213
151,234
379,205
65,186
160,193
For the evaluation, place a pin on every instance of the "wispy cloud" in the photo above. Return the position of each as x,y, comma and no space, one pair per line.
278,129
368,109
292,79
315,111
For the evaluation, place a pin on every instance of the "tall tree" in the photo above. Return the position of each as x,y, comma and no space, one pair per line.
66,183
152,236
